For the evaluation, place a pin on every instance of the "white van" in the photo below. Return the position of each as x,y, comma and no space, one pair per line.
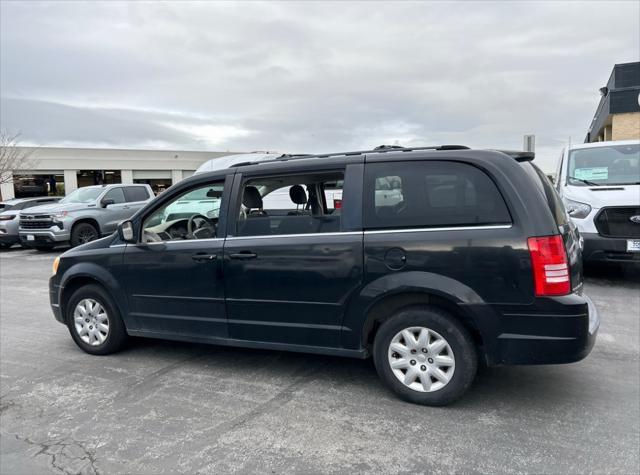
600,186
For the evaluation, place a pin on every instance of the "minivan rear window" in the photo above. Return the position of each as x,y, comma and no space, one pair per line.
430,194
548,191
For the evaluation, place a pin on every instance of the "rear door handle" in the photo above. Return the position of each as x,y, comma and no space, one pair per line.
243,255
203,257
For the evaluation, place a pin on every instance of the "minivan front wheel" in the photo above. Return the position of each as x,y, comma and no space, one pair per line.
94,322
425,356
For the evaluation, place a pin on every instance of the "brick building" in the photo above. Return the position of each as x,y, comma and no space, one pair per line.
618,113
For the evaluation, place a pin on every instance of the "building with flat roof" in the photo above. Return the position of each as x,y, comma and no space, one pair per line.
618,114
56,170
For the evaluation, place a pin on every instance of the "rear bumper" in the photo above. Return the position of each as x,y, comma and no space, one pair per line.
603,249
555,330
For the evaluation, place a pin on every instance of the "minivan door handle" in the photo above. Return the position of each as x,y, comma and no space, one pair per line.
243,255
203,257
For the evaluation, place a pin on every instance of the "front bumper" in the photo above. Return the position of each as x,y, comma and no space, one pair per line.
554,330
604,249
9,232
43,237
54,299
6,238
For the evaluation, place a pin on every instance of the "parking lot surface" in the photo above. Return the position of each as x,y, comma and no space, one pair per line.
165,407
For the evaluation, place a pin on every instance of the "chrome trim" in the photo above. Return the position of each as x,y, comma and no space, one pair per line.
178,297
176,241
422,230
293,302
272,236
339,233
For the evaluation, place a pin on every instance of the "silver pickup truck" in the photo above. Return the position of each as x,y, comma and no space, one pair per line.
84,215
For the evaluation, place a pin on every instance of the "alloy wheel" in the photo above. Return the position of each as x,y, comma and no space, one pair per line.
87,235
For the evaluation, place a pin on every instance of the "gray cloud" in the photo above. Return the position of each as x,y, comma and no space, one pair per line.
304,77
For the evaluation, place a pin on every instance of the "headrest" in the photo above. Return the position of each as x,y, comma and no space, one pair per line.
251,198
298,195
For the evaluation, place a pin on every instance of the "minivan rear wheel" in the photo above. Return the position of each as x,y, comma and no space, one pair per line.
94,321
83,233
425,356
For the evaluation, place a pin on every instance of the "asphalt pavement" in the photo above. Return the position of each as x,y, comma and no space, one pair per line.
166,407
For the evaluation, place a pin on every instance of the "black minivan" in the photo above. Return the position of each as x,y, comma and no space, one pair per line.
429,259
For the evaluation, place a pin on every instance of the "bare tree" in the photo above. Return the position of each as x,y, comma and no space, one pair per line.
12,157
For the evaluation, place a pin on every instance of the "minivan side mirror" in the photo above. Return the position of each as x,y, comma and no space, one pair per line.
125,231
107,201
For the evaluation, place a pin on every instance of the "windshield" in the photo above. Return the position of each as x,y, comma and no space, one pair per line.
612,165
82,195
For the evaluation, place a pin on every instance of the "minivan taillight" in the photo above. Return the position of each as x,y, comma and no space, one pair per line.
550,266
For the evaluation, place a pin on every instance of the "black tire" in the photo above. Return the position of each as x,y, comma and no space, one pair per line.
117,334
458,338
83,233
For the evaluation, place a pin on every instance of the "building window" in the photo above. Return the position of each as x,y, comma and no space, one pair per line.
158,185
98,177
28,185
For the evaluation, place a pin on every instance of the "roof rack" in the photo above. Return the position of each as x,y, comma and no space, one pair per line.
378,149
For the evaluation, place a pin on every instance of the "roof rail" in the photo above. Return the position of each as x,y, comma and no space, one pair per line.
519,155
378,149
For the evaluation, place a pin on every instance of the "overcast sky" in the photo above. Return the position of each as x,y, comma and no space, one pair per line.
309,77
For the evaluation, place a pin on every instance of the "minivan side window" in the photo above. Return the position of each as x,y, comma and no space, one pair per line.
290,205
192,215
116,195
136,193
430,194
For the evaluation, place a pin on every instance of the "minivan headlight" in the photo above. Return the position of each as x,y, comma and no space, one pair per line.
577,209
56,263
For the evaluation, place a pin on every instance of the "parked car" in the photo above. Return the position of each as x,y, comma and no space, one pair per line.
600,186
473,260
9,216
82,216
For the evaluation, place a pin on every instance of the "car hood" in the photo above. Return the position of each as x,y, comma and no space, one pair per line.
601,196
55,208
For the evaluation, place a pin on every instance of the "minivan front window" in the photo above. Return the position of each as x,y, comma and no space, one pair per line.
609,165
82,195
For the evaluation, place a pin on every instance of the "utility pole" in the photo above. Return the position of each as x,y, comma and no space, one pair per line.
529,143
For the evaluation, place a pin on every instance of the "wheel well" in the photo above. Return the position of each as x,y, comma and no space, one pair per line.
90,221
389,306
73,285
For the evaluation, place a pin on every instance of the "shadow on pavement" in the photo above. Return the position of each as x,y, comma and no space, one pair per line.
493,387
613,272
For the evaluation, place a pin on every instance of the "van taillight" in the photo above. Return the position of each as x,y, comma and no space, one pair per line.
550,266
337,204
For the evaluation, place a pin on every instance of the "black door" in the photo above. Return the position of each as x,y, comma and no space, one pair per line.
293,259
174,275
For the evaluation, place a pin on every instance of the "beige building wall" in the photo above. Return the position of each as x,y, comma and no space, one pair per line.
626,126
